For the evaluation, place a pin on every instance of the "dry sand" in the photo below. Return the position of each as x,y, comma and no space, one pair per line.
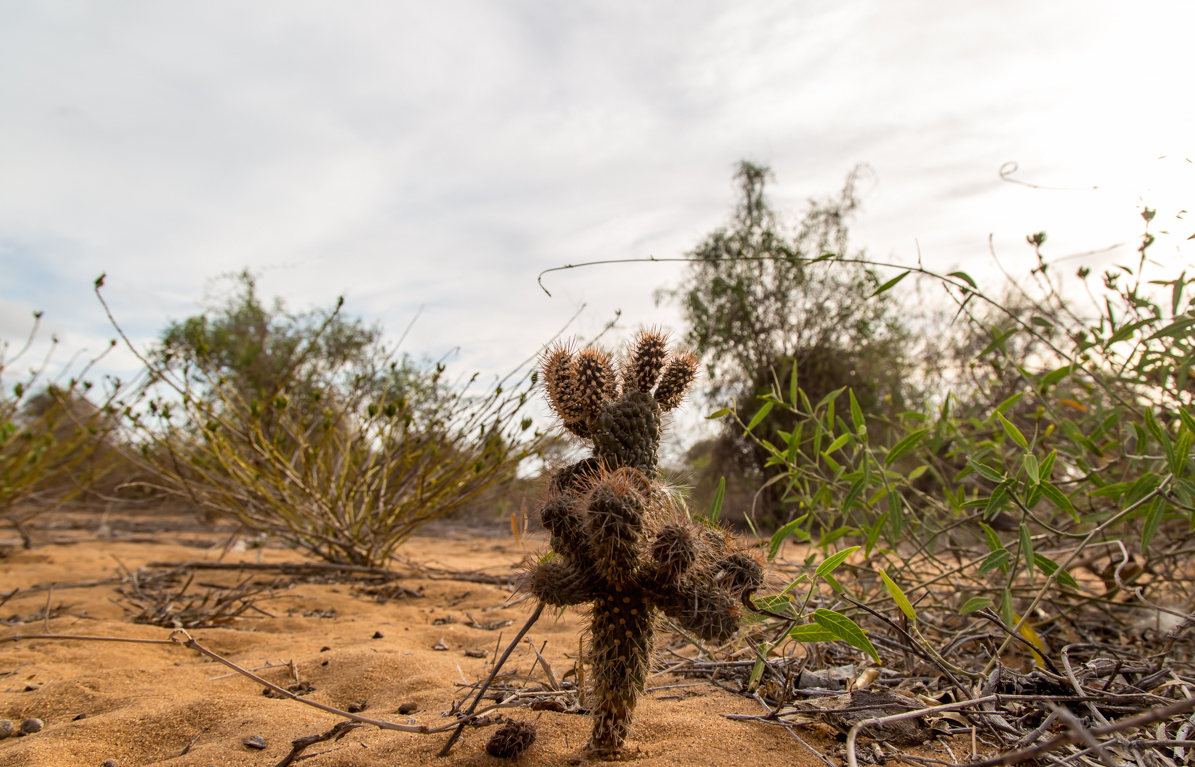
147,704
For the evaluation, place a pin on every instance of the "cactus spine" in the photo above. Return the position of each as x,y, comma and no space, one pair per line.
619,546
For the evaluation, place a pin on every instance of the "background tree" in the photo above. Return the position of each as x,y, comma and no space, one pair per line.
758,300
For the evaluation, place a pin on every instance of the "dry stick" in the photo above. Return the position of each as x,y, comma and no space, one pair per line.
1140,720
853,735
1062,567
456,734
84,638
299,745
1085,735
190,643
281,566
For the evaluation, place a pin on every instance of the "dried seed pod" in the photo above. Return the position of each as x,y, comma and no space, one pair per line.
511,740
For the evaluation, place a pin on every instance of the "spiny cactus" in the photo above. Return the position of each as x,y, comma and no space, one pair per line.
618,543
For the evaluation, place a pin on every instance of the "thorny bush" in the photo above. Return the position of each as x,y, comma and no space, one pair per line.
314,432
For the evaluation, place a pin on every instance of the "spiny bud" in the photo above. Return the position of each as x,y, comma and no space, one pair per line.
560,383
560,584
595,379
674,550
674,383
646,361
742,573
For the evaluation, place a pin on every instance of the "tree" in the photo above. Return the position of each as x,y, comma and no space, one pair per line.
761,302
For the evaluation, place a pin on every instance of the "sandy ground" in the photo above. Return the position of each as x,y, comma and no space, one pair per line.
160,704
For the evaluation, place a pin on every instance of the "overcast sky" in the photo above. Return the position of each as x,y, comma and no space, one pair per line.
442,154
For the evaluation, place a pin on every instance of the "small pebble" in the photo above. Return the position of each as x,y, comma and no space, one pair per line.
80,716
32,687
30,726
358,707
325,648
378,635
407,708
6,728
475,653
110,763
255,741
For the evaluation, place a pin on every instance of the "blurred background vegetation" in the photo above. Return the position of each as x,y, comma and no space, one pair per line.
849,403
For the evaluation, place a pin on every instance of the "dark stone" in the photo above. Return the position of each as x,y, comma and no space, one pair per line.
255,741
30,726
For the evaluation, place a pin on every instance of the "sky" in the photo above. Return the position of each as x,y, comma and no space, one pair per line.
431,159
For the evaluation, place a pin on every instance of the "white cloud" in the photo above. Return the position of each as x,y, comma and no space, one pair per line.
441,155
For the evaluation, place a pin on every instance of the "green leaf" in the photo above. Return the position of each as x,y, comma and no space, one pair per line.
1126,332
1181,454
831,563
890,284
812,632
1006,612
782,534
1013,432
998,339
873,534
905,445
1174,329
718,413
792,386
1006,404
996,502
899,597
964,277
838,443
1152,520
996,559
759,416
985,471
716,506
857,414
1031,468
974,604
1058,498
1049,567
845,629
1027,547
992,538
1047,466
826,400
853,493
1054,376
1187,419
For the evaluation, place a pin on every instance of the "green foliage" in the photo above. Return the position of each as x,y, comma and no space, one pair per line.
307,428
54,436
763,302
1063,433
